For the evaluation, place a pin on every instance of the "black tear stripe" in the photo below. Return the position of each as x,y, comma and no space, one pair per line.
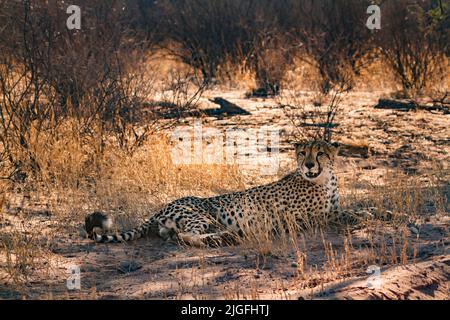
318,163
306,155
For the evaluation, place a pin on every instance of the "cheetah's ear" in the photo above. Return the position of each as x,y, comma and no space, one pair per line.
334,148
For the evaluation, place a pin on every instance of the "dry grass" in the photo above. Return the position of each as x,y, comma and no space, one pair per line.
401,193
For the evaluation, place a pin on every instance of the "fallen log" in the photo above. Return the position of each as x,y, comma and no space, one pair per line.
407,105
226,107
319,125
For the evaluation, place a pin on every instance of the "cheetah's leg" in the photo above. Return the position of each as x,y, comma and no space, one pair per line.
201,240
357,217
166,234
202,231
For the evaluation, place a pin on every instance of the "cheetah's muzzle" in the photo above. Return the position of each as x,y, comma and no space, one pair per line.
312,175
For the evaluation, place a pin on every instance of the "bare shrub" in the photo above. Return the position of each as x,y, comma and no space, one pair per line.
334,34
204,34
273,56
333,37
92,81
415,44
181,90
311,116
212,35
22,257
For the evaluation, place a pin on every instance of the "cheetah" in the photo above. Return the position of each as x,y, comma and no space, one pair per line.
311,188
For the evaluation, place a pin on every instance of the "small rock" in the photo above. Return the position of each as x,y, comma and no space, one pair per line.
294,265
413,230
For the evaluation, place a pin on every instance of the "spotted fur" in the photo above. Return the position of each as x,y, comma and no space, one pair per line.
311,189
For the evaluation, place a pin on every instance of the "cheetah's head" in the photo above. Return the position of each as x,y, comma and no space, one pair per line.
315,159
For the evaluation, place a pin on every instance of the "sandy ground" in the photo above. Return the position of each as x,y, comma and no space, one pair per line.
415,262
152,269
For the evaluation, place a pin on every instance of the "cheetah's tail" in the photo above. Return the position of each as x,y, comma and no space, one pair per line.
130,235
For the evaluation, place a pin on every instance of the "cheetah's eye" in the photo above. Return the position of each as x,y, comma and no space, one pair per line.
320,153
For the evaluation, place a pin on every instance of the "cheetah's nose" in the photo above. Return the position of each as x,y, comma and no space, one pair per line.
309,165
